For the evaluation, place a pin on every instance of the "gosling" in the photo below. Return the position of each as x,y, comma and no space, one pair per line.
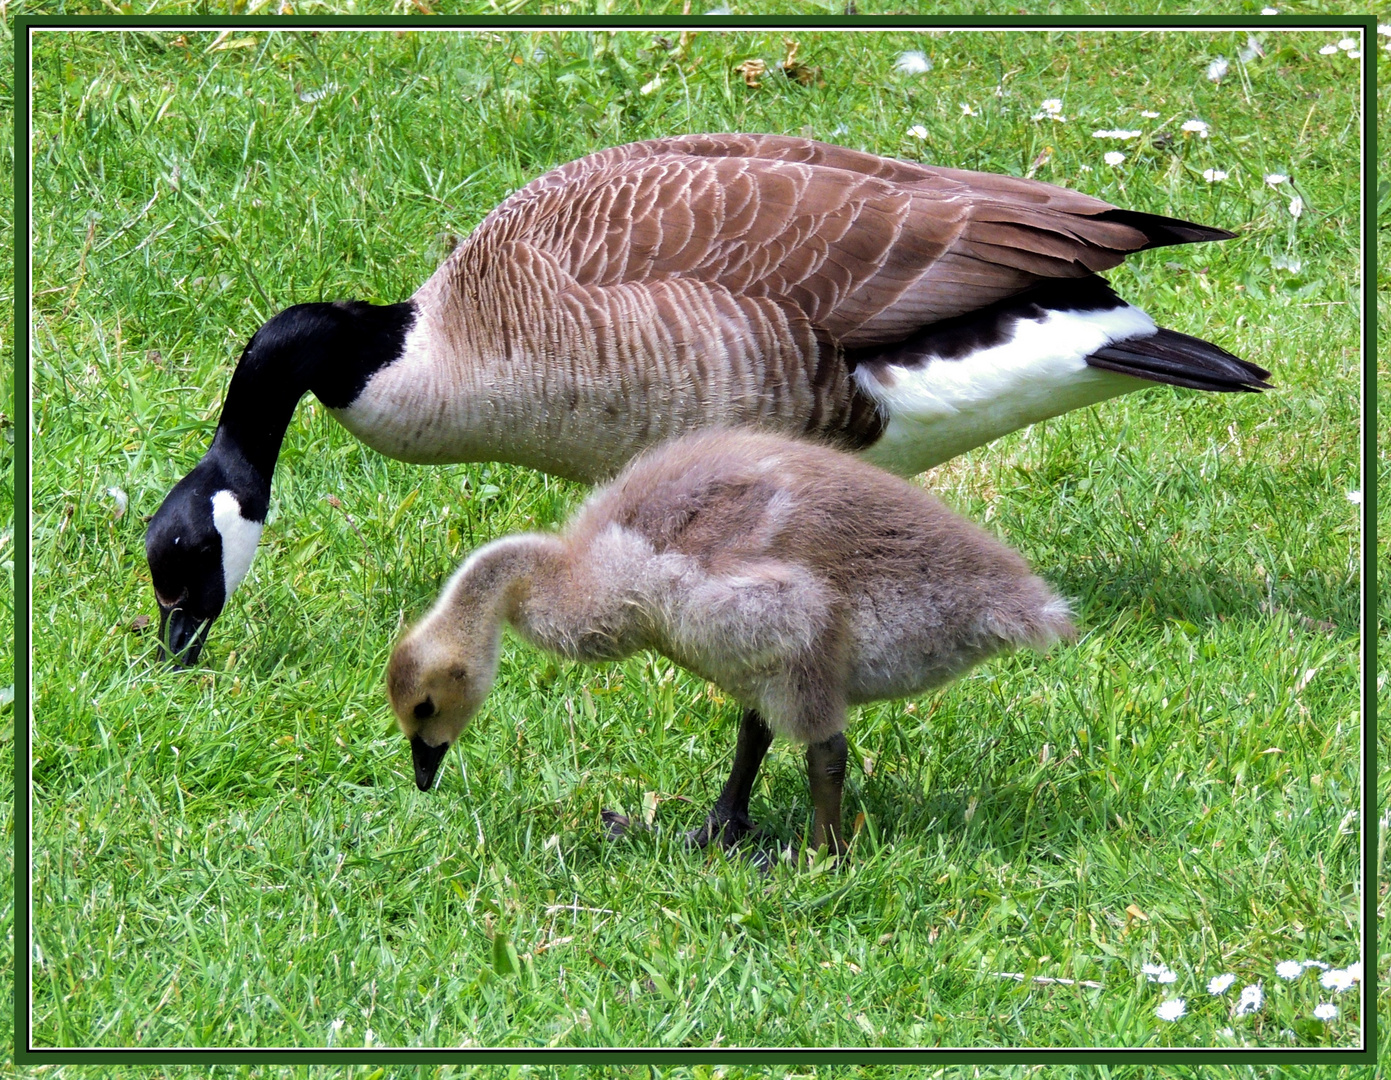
798,579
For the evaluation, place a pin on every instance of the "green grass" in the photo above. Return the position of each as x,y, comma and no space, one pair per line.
236,855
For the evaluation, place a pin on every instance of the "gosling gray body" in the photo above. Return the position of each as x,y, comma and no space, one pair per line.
798,579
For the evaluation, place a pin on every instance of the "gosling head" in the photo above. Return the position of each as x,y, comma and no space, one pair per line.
435,691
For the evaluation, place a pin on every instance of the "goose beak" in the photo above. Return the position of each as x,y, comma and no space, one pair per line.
426,760
181,636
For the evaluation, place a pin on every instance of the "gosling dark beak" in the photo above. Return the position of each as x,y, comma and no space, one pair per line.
181,636
426,760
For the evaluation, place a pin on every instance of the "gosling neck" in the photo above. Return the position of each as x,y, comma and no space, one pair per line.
502,582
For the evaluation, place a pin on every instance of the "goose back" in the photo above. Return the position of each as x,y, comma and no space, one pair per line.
719,280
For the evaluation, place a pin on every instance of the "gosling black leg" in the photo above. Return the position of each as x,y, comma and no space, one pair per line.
729,818
826,772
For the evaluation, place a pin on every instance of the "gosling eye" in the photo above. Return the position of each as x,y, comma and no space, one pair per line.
458,672
425,709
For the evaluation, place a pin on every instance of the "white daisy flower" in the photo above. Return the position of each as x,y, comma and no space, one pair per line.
1149,114
1318,964
1270,11
1347,44
1113,157
1325,1011
1214,175
1354,54
1384,29
1219,984
1159,973
1217,70
1328,50
918,131
1170,1010
966,110
1337,979
1296,206
1275,179
1051,105
1251,998
912,63
1197,127
1355,970
1289,969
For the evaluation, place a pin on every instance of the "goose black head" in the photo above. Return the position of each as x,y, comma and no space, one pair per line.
200,543
199,547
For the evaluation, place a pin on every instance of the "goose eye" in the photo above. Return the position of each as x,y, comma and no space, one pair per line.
458,672
425,709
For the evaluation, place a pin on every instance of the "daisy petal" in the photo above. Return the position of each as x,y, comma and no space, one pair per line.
1219,984
1251,998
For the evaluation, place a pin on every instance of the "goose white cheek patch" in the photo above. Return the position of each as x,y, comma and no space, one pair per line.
239,539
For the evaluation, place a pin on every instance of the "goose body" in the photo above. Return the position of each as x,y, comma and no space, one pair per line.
904,311
798,579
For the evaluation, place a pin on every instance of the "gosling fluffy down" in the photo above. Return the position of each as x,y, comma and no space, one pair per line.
798,579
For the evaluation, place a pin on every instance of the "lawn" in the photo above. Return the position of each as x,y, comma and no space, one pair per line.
244,840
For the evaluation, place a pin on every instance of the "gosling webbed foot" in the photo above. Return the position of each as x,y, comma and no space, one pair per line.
728,828
618,825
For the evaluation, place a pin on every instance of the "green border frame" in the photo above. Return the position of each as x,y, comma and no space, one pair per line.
26,1055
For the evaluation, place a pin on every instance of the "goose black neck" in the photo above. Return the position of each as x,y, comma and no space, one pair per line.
331,349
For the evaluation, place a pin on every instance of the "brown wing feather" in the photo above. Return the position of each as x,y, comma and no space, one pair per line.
866,248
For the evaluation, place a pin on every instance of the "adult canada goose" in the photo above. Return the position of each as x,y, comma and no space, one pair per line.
906,311
798,579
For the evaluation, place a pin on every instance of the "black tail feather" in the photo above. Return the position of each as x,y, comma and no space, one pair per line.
1180,360
1164,231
